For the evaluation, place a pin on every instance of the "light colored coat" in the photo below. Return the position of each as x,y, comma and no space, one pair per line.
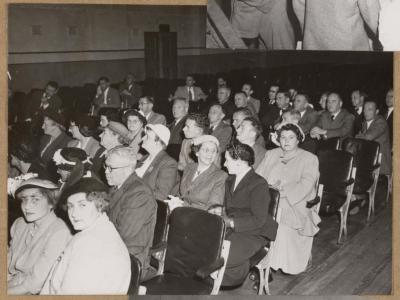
30,260
96,261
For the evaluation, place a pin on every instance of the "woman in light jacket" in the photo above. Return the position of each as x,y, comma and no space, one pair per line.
295,173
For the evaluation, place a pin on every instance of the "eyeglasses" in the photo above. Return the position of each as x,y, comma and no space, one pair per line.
111,169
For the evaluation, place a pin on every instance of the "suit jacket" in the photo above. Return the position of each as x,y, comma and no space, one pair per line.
248,206
33,108
132,100
378,131
341,126
267,18
223,132
113,100
185,154
309,119
389,121
92,147
156,118
256,104
176,138
206,190
337,24
162,175
182,92
133,211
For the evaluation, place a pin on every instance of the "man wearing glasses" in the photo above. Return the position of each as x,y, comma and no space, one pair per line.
132,207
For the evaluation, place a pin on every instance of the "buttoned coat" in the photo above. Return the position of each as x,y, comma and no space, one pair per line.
341,126
308,120
223,132
206,189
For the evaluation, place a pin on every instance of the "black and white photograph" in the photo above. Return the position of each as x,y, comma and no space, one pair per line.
142,162
346,25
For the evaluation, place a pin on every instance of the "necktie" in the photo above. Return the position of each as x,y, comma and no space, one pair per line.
190,94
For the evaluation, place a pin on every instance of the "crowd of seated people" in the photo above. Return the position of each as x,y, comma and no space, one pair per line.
82,200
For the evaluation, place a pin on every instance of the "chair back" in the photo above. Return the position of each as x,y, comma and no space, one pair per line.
274,203
195,239
365,153
335,167
136,274
161,227
328,144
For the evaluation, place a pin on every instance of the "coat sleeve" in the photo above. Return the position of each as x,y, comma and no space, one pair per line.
259,198
166,180
217,192
369,10
345,130
297,190
374,131
138,208
311,121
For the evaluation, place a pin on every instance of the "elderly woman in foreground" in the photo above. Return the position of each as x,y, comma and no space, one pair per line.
37,238
295,173
96,260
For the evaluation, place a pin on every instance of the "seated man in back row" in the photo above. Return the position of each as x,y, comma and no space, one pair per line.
335,122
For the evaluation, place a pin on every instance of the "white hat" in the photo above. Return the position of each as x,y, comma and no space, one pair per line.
161,131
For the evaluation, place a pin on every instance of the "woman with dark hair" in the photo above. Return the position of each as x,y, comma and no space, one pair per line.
203,183
83,129
37,238
294,172
108,114
96,260
135,122
246,212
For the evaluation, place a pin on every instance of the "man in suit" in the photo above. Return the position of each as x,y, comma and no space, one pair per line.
146,104
388,113
248,90
357,99
130,92
308,116
42,101
106,96
242,101
375,128
267,19
248,133
158,169
337,24
224,94
218,128
335,122
132,208
180,109
193,94
54,138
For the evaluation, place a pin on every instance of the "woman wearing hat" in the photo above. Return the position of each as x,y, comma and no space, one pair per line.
135,123
295,173
83,128
203,183
37,238
96,260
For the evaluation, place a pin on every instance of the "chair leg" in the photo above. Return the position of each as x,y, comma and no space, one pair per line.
389,187
266,281
261,286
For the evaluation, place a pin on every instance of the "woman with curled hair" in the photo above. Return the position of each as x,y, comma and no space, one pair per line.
246,212
37,238
135,122
295,173
203,183
96,260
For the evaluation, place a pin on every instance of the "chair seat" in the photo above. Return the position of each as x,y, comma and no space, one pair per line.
363,182
170,284
256,258
331,202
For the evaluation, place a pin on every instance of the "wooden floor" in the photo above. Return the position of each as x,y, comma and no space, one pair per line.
361,266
